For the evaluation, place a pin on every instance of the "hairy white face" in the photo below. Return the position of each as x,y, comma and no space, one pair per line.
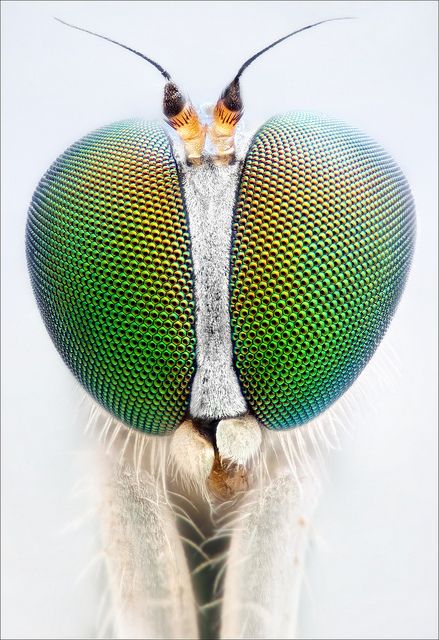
229,446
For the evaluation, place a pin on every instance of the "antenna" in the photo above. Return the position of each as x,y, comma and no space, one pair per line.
179,113
229,108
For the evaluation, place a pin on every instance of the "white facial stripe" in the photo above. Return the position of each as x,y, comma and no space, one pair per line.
209,193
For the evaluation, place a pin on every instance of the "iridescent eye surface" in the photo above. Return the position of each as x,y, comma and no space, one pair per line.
322,238
108,252
322,241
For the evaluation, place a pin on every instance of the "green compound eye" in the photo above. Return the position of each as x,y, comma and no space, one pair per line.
108,253
323,236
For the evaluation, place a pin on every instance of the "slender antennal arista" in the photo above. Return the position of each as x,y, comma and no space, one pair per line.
248,62
155,64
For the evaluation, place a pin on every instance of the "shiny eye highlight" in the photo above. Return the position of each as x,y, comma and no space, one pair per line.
323,238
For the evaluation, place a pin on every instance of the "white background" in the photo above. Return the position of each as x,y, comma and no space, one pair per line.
371,571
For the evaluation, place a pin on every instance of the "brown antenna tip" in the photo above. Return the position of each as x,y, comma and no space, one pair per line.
173,100
231,96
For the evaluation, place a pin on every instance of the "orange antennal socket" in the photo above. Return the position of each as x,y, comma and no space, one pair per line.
183,118
226,115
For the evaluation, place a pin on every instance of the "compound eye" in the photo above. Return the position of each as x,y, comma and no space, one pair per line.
108,253
323,237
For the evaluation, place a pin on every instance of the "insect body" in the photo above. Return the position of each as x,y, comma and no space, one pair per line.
190,281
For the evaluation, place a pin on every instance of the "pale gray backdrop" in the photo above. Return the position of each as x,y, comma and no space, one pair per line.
371,572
